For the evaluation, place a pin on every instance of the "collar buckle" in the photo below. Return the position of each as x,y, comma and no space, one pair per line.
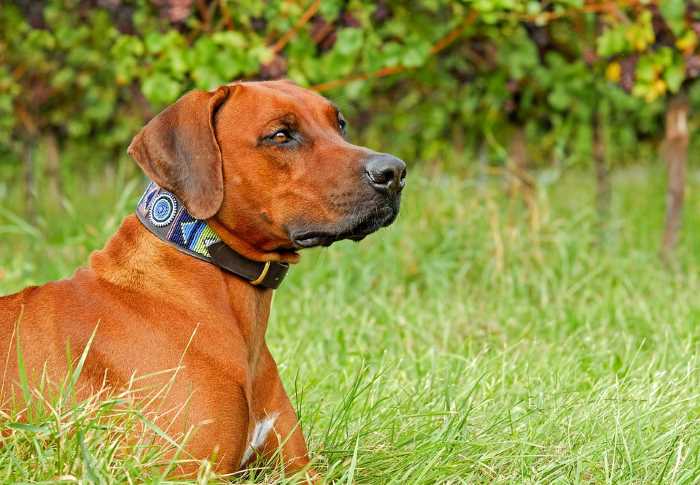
263,273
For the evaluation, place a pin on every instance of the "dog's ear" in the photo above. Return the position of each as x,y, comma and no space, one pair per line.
178,150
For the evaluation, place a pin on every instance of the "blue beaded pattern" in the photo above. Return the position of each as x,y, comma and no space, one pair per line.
163,210
167,217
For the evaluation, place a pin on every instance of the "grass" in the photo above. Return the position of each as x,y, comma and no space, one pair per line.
462,345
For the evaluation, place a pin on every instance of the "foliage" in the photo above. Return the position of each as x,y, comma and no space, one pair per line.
461,344
462,74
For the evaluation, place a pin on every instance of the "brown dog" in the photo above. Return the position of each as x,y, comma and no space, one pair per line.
265,166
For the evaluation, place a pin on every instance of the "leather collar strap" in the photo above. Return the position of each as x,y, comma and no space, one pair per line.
166,217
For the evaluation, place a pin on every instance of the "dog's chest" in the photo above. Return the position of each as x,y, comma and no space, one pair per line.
261,431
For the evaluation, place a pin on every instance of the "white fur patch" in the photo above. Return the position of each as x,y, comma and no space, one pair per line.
260,432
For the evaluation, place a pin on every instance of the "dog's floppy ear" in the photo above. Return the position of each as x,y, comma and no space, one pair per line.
178,150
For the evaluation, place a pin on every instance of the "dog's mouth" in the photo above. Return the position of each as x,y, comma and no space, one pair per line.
355,228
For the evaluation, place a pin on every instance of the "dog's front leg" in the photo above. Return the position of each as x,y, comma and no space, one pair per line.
277,426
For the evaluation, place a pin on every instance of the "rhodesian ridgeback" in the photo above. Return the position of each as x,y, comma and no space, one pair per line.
241,179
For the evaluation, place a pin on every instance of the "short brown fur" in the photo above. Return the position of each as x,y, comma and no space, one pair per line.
156,307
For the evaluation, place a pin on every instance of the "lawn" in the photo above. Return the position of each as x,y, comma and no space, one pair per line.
467,343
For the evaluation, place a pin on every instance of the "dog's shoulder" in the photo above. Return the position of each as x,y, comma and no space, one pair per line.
11,304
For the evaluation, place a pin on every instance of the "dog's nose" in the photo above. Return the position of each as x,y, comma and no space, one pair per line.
386,173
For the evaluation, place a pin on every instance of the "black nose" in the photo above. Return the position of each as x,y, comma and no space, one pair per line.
386,173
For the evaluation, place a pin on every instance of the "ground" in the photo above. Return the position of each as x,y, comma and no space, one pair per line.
473,341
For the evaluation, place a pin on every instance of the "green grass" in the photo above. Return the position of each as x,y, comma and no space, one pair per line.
461,345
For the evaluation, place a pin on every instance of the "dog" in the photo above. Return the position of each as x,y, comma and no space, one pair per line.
241,179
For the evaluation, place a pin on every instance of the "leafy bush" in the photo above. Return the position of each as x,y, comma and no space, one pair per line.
442,76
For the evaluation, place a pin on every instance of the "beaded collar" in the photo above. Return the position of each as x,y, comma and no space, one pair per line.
162,213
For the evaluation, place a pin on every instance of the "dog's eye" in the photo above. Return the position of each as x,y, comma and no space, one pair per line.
342,123
281,137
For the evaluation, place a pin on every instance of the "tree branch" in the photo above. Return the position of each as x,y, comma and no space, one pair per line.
303,20
442,44
450,38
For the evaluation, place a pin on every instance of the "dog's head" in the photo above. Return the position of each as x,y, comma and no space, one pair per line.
268,165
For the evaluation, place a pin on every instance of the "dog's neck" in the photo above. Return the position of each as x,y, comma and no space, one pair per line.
137,261
163,214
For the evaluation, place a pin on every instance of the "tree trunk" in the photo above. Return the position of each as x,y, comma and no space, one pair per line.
28,174
603,194
517,150
53,168
523,182
675,151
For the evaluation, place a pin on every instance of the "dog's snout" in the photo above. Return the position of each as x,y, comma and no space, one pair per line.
386,173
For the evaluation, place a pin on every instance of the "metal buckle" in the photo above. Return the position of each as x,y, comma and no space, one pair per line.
263,273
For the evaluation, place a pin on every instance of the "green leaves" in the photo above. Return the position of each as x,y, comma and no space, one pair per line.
674,76
517,53
659,72
611,42
659,57
415,54
626,37
673,12
209,61
478,66
160,89
559,98
349,41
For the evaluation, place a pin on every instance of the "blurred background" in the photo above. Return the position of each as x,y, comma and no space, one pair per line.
521,89
532,316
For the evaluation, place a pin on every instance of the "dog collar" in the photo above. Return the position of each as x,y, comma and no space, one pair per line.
166,216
